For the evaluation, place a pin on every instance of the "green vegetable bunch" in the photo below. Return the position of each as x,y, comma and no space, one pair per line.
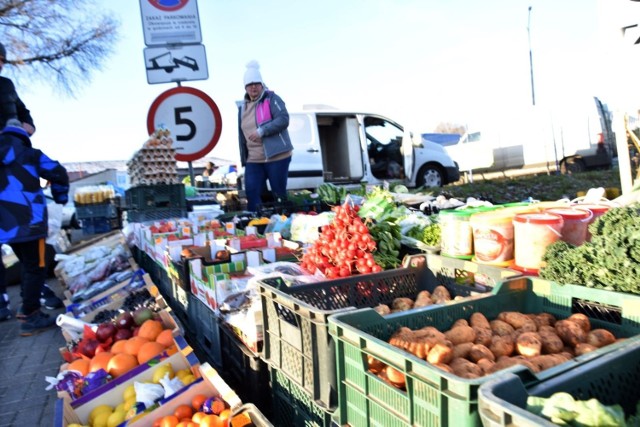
387,236
561,408
431,234
611,260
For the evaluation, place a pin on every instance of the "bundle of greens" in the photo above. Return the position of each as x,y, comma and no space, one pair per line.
562,409
611,260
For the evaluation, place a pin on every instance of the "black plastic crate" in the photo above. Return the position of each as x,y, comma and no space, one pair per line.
145,197
244,371
98,225
104,210
155,214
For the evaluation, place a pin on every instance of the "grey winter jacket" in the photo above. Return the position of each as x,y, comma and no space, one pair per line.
272,119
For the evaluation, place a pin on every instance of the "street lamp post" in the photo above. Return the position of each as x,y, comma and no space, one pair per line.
533,93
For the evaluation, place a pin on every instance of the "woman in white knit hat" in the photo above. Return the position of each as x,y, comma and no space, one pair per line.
265,146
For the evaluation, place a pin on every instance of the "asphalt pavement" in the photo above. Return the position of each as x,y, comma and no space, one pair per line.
24,364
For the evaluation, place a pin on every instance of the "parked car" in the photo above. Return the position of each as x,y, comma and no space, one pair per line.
69,218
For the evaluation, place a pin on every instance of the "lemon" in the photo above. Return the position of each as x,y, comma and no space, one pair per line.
74,425
97,411
183,372
115,419
130,391
160,372
101,419
128,404
188,379
120,407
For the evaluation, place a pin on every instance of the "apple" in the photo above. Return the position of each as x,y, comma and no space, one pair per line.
105,331
125,320
123,334
88,346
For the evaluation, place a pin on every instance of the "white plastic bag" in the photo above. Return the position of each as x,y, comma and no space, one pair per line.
54,212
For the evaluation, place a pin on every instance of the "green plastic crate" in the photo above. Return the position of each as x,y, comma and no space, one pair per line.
295,319
437,398
292,406
612,378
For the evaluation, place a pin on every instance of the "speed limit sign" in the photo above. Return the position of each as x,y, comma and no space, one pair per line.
193,119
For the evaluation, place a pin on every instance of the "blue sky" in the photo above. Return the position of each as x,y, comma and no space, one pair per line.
420,62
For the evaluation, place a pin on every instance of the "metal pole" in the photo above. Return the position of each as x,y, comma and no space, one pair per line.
533,93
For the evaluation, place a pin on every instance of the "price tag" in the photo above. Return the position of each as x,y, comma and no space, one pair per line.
274,240
250,230
186,231
254,258
230,227
235,244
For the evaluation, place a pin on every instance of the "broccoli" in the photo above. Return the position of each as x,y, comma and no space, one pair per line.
611,260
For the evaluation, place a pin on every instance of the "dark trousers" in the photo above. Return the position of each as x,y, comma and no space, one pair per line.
256,176
32,258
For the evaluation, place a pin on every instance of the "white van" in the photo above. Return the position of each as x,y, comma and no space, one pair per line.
573,140
346,148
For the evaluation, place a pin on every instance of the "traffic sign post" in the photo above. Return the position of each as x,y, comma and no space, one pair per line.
176,63
193,119
170,22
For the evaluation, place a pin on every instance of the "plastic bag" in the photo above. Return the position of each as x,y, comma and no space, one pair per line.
54,214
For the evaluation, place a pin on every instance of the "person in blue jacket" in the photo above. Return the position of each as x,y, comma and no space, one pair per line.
23,215
265,146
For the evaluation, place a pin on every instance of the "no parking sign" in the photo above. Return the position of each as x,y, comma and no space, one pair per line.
193,119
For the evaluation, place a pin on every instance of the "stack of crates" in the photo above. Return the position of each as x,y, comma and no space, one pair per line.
98,218
155,202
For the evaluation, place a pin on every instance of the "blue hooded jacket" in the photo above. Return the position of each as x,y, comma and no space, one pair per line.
23,206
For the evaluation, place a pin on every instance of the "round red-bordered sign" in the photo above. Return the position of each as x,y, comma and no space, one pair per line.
193,119
168,5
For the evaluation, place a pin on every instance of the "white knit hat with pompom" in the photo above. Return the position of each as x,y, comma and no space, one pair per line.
252,75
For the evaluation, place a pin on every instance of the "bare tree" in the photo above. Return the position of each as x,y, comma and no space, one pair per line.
56,41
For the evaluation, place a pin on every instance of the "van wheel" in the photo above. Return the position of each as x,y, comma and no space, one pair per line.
430,175
572,165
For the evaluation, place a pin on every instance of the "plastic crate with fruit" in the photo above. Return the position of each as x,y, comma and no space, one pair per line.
295,319
432,396
611,379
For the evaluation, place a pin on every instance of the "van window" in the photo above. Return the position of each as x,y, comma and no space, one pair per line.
384,141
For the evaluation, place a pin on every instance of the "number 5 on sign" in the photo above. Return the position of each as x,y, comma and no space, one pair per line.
193,119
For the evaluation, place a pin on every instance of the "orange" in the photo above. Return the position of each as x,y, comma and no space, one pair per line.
100,361
118,347
211,421
169,421
148,351
197,401
165,337
183,411
121,363
133,344
187,423
197,417
150,329
225,416
80,365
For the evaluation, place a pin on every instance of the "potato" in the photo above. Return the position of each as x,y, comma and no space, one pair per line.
600,338
501,346
486,365
396,377
423,299
460,322
501,328
479,351
479,320
544,319
581,320
440,293
462,350
466,369
375,365
444,367
517,320
401,338
483,335
583,348
570,332
419,346
546,328
529,344
382,309
441,352
401,304
551,342
506,362
460,334
547,361
430,332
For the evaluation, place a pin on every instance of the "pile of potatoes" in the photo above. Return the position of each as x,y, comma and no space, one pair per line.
477,347
440,295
